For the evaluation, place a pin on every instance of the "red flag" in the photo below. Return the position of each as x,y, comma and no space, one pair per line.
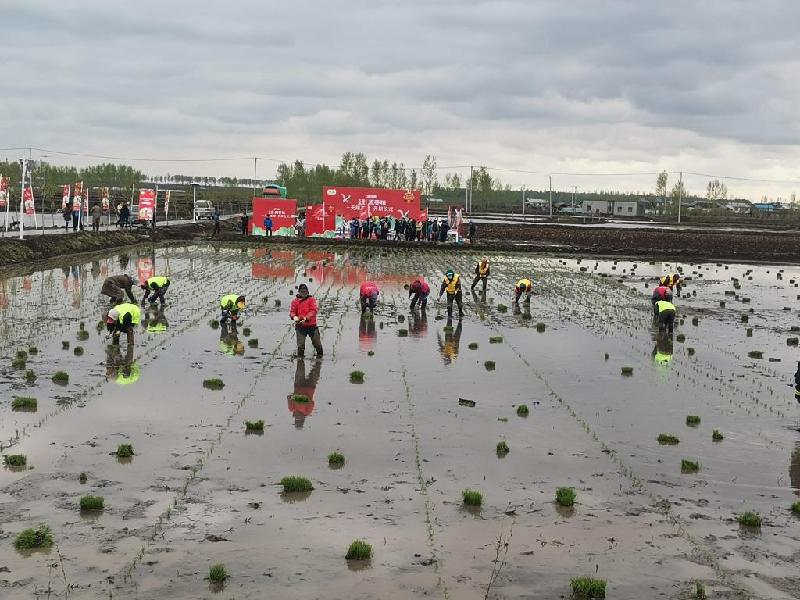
147,204
77,199
4,183
27,201
104,202
65,196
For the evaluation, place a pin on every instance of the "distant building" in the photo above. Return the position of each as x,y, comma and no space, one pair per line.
741,207
628,208
596,207
767,207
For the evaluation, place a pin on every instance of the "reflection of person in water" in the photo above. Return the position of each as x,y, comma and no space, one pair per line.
124,260
797,383
449,346
794,469
367,334
301,401
418,323
155,321
525,311
229,342
122,370
662,353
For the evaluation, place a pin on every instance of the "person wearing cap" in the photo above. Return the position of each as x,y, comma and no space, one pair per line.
158,286
122,319
452,285
303,311
524,286
666,315
481,273
117,286
369,295
672,281
661,292
231,305
418,292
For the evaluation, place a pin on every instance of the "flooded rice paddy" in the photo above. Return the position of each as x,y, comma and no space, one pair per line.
422,427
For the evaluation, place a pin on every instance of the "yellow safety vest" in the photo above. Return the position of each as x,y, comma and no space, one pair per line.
664,305
483,268
451,284
156,327
133,377
526,282
157,281
670,280
129,309
229,299
662,358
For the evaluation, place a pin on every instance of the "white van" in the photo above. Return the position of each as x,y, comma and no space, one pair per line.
203,209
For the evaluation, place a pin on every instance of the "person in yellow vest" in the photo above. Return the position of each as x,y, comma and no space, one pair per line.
122,319
524,286
666,315
231,305
158,285
452,285
672,281
481,273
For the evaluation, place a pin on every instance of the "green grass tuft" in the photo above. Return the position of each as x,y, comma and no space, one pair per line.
301,398
404,332
371,353
792,341
692,420
665,439
359,550
92,502
15,460
22,355
31,539
294,483
699,591
252,342
489,365
755,354
586,588
82,478
689,466
540,327
502,308
78,351
335,460
254,426
83,335
213,384
246,332
217,573
749,519
680,338
627,371
24,404
214,324
61,378
33,351
502,448
565,496
65,345
473,345
30,376
472,498
356,376
522,410
796,509
717,435
19,363
496,339
124,451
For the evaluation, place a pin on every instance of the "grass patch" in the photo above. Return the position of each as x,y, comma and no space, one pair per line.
277,302
690,351
795,509
447,329
214,323
695,321
371,353
78,350
124,451
33,351
489,365
689,466
472,498
749,332
502,308
359,550
294,483
252,342
585,588
473,345
217,573
65,345
404,332
15,460
755,354
540,327
503,419
502,448
213,384
31,539
83,335
61,378
356,376
522,410
627,371
496,339
246,331
749,519
744,318
92,502
699,591
792,341
24,404
257,426
19,363
565,496
82,478
302,398
30,376
335,460
717,436
665,439
680,338
22,355
692,420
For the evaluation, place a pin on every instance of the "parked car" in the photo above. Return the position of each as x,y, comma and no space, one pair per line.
203,209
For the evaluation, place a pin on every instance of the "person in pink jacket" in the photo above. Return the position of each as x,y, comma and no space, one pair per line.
369,295
418,292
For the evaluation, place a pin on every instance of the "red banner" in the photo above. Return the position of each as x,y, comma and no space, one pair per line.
4,183
352,202
282,212
77,198
27,201
144,268
105,204
166,203
65,196
320,220
147,204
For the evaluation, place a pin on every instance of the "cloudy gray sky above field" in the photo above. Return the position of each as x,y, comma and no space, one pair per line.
544,86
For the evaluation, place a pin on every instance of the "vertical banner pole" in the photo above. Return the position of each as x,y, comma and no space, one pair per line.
23,167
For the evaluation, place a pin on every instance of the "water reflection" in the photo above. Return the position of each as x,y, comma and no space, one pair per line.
367,332
155,321
794,469
123,370
448,347
301,401
418,323
663,350
229,342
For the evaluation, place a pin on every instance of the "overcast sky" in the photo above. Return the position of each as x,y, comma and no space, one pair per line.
569,86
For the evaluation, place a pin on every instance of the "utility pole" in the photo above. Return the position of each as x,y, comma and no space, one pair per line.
255,174
23,165
523,200
680,195
574,190
470,189
551,196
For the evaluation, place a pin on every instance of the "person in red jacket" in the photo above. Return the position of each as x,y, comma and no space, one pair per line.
303,312
418,292
662,292
369,295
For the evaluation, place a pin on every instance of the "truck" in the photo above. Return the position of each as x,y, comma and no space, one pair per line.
203,209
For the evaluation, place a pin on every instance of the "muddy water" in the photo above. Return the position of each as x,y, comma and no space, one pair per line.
201,491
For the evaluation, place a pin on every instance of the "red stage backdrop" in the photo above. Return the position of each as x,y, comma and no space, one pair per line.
147,204
362,202
282,211
320,220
